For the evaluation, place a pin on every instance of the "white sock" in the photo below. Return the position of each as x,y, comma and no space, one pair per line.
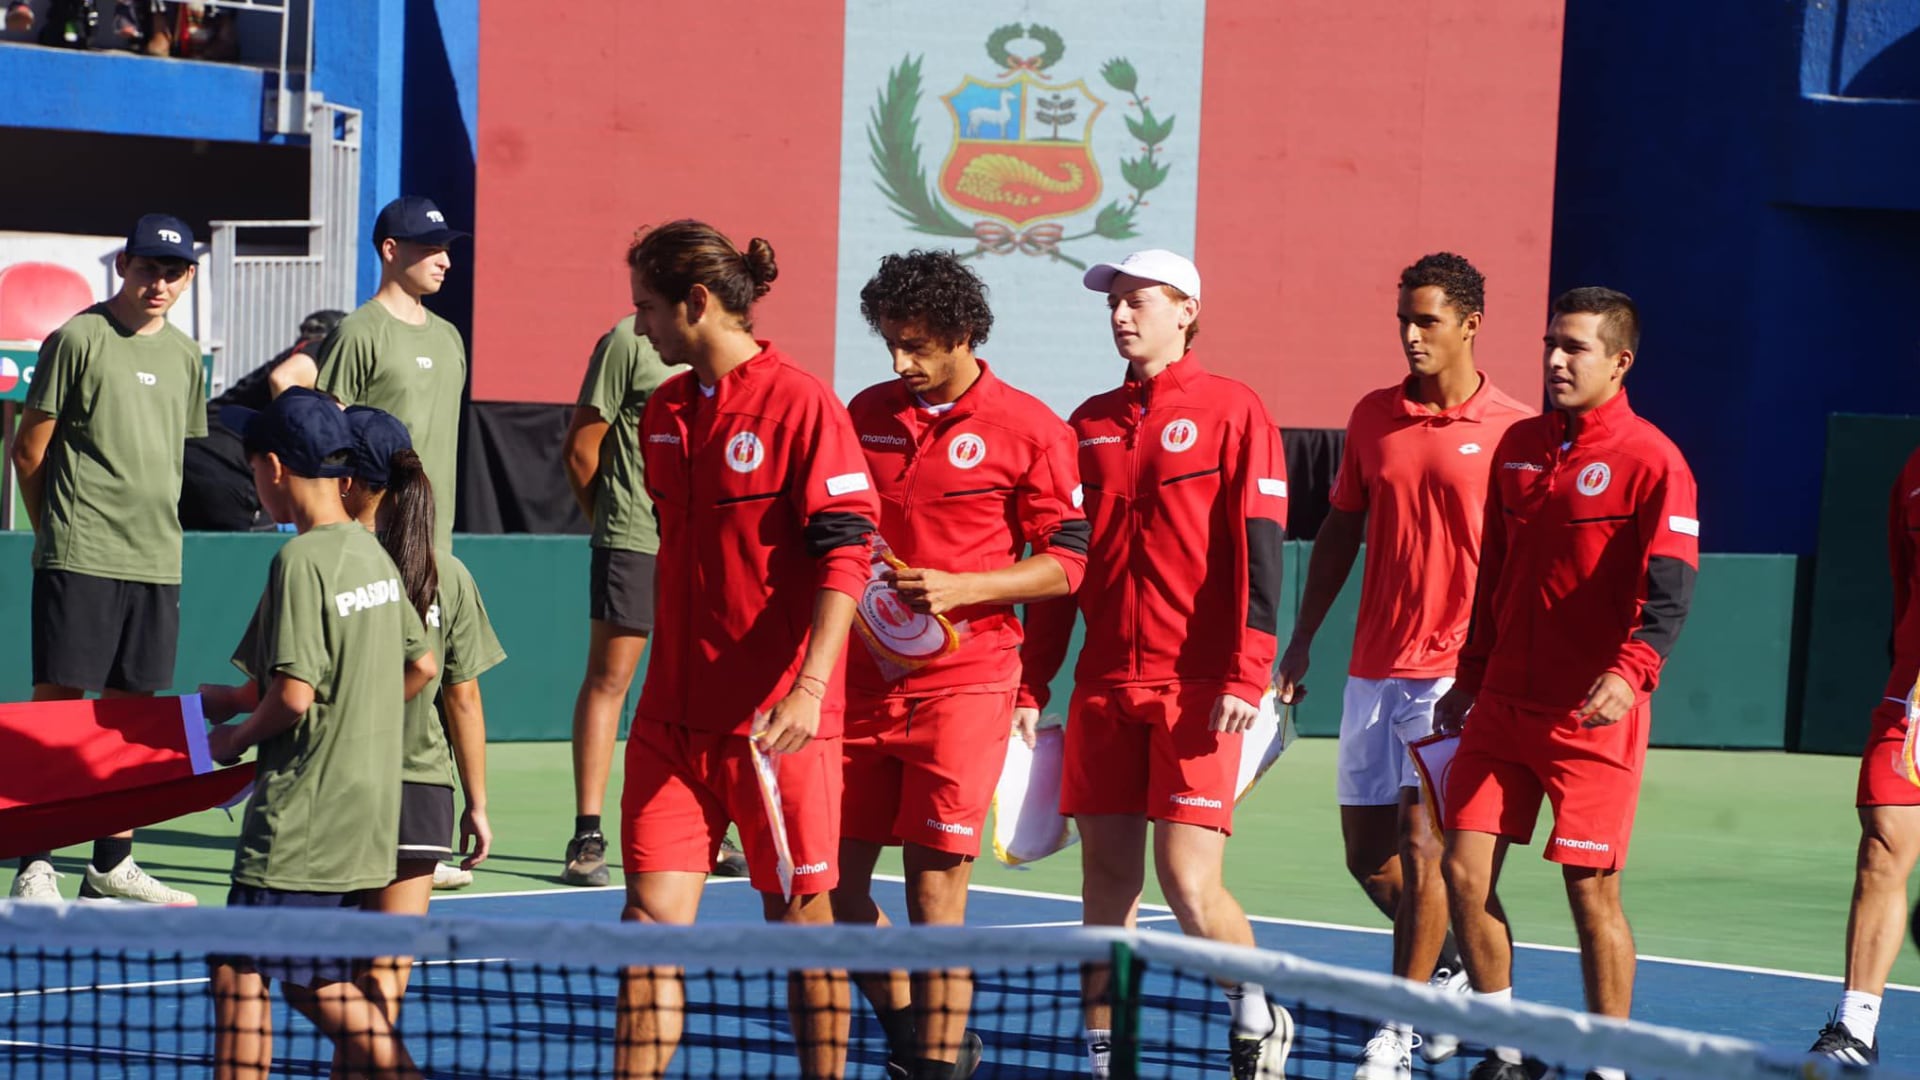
1610,1073
1860,1012
1252,1017
1505,1053
1100,1052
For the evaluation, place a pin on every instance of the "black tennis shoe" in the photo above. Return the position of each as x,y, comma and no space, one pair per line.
1838,1044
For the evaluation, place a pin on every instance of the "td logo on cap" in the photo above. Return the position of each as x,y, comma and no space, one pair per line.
416,219
161,236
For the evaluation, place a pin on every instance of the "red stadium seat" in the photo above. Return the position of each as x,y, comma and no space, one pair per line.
36,297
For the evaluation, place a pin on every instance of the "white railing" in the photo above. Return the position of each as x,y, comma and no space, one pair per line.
260,297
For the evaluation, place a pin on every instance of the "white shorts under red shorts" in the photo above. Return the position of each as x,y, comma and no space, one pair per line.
1378,719
1148,750
922,769
684,786
1883,776
1509,758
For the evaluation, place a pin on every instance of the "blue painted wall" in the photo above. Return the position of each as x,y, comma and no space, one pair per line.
1713,164
67,90
410,66
413,71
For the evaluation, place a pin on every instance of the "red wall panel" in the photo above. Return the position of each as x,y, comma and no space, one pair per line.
1342,141
1338,143
599,118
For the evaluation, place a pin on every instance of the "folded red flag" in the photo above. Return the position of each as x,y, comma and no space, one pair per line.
75,771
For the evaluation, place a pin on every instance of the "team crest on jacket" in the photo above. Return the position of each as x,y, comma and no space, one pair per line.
1021,159
967,450
1594,478
745,452
1179,435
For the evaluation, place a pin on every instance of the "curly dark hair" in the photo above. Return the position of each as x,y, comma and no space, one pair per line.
933,288
1464,286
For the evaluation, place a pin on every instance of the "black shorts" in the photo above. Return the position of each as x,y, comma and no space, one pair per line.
622,589
96,633
300,971
426,821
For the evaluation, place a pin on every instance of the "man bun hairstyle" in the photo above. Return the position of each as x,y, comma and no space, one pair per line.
1619,315
1465,287
674,257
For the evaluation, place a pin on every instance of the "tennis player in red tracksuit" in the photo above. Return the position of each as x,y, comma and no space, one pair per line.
1185,487
971,473
765,510
1587,566
1888,799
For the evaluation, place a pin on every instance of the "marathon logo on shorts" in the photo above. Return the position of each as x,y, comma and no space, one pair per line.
949,829
1581,845
884,440
368,596
820,867
1100,440
1523,466
1199,801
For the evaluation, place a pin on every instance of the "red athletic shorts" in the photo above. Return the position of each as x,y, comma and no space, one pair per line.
923,769
1883,779
683,786
1509,757
1148,750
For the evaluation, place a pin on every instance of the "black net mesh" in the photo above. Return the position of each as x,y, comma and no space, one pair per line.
194,993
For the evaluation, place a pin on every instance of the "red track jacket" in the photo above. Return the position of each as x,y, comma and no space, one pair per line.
1903,538
965,491
763,498
1186,490
1588,560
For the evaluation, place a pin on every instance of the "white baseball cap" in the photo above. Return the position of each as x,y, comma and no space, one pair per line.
1153,264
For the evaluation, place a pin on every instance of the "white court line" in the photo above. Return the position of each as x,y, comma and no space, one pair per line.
1709,965
560,890
1068,922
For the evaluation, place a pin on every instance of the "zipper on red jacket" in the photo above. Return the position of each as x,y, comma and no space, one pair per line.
914,447
1139,418
687,546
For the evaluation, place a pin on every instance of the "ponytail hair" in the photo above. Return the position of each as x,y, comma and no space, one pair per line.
408,531
674,257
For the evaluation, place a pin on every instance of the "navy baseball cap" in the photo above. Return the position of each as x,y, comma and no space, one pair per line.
415,218
304,427
161,236
377,436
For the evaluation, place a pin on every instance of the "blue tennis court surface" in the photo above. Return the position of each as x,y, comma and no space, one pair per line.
473,1018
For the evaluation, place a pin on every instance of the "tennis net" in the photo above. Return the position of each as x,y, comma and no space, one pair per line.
102,991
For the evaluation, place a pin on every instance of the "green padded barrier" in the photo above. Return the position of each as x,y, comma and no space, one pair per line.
1851,612
1727,685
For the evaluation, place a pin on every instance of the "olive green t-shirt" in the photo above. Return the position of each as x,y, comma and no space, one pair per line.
624,370
462,637
325,811
124,405
414,372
